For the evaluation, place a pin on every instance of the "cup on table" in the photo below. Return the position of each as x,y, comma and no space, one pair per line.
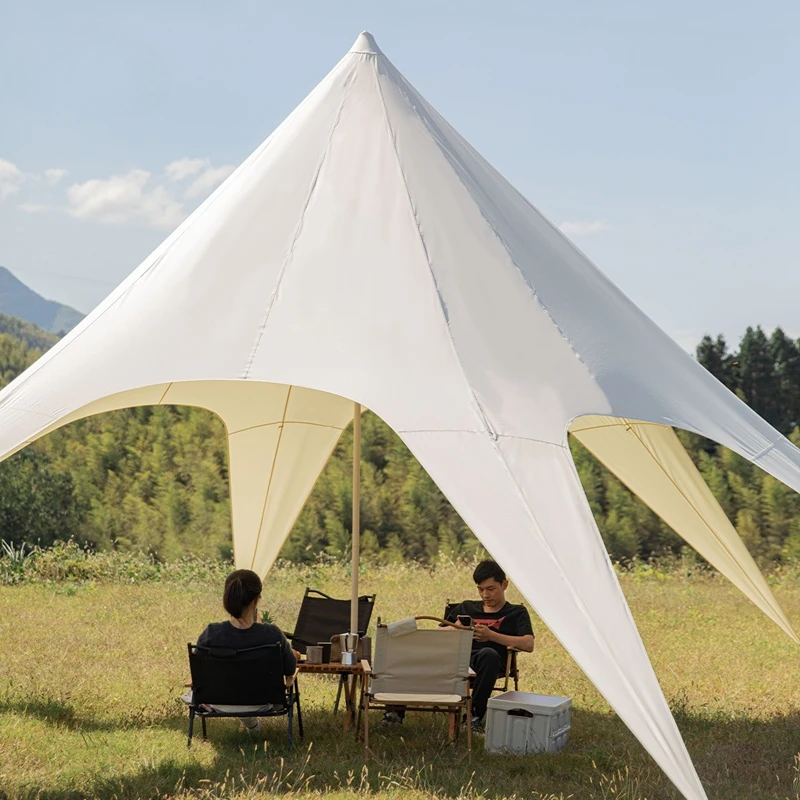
314,654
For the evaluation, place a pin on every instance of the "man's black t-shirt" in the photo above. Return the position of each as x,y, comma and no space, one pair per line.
510,620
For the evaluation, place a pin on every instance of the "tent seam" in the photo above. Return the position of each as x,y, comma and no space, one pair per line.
284,422
499,435
169,386
623,421
269,482
299,228
392,138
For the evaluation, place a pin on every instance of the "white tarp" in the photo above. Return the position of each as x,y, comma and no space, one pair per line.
366,251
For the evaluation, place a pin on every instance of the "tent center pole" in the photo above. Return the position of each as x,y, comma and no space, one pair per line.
356,542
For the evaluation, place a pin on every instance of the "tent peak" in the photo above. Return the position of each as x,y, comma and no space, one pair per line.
366,44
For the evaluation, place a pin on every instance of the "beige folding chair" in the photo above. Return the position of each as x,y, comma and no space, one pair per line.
423,670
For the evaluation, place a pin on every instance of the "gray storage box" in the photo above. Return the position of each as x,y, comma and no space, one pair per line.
520,722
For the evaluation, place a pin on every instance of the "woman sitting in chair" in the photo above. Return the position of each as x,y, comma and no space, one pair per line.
240,599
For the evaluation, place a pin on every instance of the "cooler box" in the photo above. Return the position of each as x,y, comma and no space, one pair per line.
520,722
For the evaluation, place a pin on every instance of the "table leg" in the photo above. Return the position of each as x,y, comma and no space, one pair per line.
349,693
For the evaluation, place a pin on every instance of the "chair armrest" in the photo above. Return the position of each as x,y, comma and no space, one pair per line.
366,666
290,679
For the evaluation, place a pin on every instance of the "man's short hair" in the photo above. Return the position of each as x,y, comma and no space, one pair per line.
488,569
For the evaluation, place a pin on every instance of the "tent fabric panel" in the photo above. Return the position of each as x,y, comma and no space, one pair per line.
507,372
651,461
520,498
392,337
251,459
273,470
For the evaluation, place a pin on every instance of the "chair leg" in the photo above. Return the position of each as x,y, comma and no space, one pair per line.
360,708
289,716
191,725
366,727
452,731
469,729
203,720
299,713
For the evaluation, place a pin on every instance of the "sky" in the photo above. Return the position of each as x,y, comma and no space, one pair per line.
663,139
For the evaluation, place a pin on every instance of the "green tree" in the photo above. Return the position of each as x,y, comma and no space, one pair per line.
37,504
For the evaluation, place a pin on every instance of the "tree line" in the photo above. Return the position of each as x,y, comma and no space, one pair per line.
155,479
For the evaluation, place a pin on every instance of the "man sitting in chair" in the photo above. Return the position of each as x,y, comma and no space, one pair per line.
498,625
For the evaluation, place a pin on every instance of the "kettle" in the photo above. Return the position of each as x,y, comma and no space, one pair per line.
349,643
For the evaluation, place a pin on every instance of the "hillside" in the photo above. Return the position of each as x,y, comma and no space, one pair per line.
20,301
29,334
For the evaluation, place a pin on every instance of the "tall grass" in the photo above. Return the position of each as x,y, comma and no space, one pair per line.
93,658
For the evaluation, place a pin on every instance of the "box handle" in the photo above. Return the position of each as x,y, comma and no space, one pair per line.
519,712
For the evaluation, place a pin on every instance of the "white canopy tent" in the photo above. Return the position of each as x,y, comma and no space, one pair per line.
365,253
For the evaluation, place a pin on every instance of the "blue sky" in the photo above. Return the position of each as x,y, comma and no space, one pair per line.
663,138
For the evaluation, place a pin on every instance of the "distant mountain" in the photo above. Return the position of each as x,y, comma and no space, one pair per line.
18,300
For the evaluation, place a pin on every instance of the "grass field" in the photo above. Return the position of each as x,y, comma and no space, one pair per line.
90,674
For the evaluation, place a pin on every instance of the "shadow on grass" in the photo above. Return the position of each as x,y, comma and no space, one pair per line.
67,715
735,758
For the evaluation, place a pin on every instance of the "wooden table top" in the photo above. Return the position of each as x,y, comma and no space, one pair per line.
332,667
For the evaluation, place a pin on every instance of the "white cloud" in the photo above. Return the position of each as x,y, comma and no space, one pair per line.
54,175
11,178
209,180
123,198
185,167
583,227
135,196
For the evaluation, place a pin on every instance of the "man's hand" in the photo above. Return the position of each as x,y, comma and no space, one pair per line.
297,654
482,633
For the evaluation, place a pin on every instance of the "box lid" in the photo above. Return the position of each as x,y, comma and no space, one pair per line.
535,703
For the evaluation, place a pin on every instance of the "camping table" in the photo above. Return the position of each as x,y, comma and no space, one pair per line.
349,677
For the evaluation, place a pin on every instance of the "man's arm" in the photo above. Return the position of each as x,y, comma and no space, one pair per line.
483,633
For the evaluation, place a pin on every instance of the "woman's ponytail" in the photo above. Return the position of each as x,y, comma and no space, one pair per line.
241,587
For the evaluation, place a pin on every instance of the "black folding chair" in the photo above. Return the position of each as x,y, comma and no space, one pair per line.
511,673
252,676
322,616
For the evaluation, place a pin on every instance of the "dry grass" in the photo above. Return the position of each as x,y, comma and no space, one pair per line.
90,673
